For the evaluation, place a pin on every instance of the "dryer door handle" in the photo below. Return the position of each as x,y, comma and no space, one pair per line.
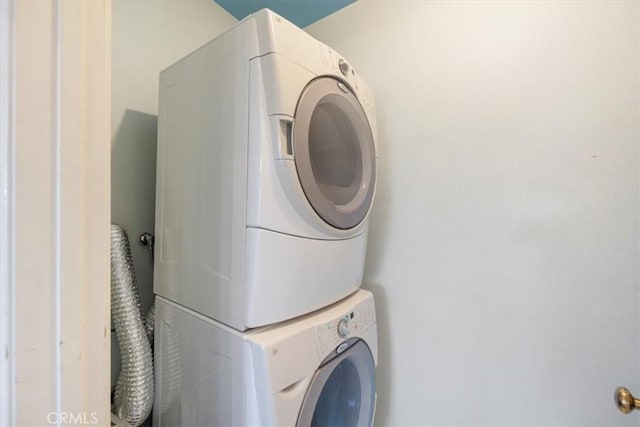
283,136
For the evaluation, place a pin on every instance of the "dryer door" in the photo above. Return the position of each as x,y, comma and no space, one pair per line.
342,392
334,152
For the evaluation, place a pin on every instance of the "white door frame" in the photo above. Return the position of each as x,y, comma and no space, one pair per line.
6,239
55,212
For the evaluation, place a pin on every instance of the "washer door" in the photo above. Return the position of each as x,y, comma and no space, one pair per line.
342,392
334,153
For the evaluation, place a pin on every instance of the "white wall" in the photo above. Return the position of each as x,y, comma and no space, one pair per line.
147,37
504,239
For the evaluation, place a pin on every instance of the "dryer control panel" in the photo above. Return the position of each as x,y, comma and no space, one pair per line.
340,67
352,324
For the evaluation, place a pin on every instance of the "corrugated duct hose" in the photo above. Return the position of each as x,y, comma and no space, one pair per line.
134,389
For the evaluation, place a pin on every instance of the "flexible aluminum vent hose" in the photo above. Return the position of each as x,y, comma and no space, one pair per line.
170,376
149,323
134,389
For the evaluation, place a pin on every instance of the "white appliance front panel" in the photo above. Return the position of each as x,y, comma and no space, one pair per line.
289,276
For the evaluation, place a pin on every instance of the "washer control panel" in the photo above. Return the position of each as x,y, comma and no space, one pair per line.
332,334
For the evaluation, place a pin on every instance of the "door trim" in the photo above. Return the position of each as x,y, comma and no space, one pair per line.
6,215
55,169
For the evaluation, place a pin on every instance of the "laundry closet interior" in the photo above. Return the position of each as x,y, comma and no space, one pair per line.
264,181
363,212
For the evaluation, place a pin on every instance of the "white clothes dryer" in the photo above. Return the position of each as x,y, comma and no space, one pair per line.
266,175
317,370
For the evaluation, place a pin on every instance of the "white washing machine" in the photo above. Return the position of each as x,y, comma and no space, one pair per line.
318,370
266,175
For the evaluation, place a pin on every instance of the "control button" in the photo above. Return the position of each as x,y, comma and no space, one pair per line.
343,87
342,347
343,327
344,66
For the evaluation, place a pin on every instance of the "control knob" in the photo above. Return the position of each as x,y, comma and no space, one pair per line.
343,327
344,66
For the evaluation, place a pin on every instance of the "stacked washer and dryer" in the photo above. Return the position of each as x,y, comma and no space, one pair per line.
266,175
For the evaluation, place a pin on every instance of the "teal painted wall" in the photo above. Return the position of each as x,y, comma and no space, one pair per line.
300,12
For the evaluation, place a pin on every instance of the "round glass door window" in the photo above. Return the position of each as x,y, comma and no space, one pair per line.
342,392
341,398
334,153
